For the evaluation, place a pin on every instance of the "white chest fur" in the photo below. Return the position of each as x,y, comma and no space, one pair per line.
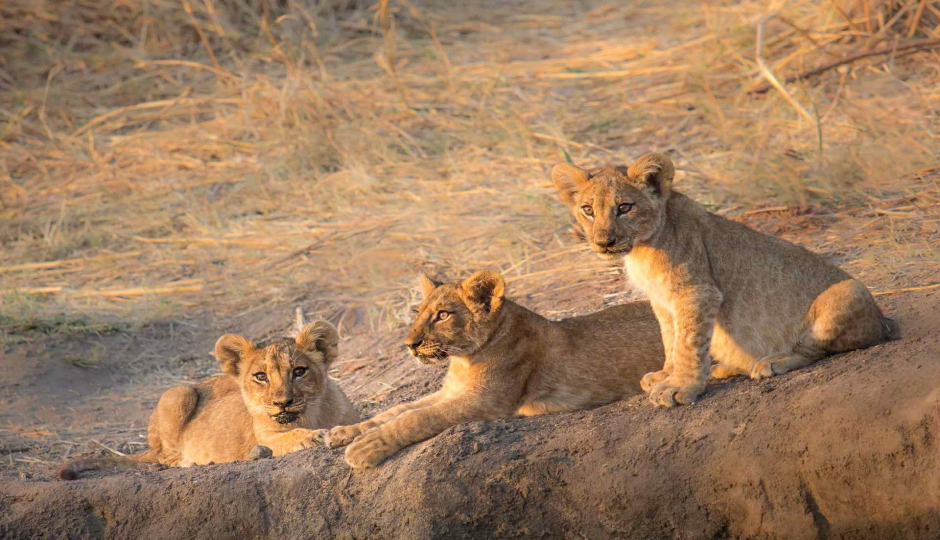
644,278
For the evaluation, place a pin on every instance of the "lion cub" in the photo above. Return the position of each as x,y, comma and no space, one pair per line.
505,360
278,396
759,305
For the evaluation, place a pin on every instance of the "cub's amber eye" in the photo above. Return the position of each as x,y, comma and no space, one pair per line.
587,211
443,315
624,208
261,376
299,372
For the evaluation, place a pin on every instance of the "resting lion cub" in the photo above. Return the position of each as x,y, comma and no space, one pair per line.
761,306
277,396
505,360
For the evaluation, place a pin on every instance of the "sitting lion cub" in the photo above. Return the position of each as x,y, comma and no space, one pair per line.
761,306
505,360
277,396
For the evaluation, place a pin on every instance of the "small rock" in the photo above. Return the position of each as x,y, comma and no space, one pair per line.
260,452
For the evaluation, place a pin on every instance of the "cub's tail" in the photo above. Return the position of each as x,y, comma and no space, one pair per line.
892,330
70,470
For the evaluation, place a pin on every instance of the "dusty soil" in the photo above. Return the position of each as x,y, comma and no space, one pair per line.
843,449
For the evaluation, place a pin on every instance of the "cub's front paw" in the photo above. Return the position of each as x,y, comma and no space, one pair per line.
671,392
369,450
341,435
651,379
308,438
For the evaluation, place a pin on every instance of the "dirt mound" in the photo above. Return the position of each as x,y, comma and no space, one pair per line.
844,449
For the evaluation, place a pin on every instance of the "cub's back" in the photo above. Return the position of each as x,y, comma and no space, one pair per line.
761,277
744,248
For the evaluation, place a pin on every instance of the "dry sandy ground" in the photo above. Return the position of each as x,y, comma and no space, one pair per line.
843,449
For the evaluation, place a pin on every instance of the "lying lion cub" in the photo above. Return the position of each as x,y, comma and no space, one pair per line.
505,360
276,396
759,305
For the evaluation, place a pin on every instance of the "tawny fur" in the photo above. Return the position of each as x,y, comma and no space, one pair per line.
278,396
506,360
757,305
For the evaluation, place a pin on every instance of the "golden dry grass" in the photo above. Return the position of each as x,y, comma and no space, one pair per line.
161,157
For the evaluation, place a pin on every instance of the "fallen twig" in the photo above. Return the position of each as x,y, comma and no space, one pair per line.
767,209
771,78
208,241
65,262
906,49
139,291
106,447
907,289
190,285
299,319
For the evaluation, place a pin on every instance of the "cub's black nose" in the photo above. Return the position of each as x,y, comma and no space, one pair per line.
610,242
285,403
414,344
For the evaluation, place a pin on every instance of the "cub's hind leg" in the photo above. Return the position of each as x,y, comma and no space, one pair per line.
778,364
165,430
843,318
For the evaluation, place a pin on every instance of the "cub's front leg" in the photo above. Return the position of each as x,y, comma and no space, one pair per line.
695,310
343,435
410,427
668,330
286,442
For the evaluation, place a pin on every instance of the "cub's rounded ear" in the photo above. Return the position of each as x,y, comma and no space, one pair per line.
320,336
229,351
568,180
484,291
653,172
426,285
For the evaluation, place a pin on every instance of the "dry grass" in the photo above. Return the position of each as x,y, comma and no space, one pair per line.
163,157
